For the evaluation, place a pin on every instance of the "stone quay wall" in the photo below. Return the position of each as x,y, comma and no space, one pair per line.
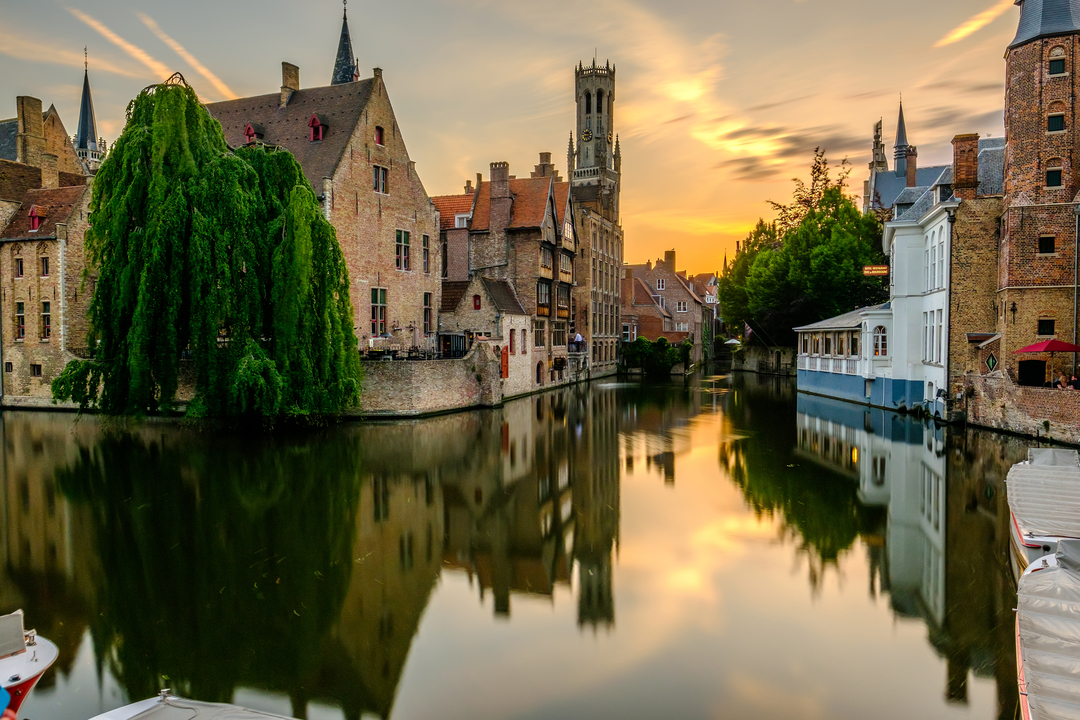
404,388
996,401
754,358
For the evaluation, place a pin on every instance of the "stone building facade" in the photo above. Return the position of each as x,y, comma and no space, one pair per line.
44,216
594,169
350,145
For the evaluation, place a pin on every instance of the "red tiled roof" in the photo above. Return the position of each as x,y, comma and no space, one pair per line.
562,191
452,292
54,206
530,198
340,106
450,206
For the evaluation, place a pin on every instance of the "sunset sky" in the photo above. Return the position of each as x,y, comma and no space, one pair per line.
718,103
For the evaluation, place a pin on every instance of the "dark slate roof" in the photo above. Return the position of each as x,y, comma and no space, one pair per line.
848,321
344,65
87,135
9,129
901,130
53,205
502,296
1043,18
918,207
287,127
452,292
992,169
889,186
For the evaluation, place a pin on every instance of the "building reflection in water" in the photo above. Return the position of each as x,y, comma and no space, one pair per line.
939,552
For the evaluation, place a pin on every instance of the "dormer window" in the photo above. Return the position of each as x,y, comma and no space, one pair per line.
253,132
35,218
318,127
379,136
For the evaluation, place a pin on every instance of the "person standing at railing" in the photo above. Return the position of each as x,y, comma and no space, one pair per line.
578,340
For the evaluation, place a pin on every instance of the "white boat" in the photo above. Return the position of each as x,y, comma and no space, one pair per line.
1048,635
1044,504
170,707
24,658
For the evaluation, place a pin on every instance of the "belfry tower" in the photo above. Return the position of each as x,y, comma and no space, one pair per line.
594,166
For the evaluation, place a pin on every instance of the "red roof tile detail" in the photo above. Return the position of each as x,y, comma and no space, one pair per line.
54,206
450,206
530,203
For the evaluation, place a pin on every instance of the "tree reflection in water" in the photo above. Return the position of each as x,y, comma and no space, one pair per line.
224,562
816,507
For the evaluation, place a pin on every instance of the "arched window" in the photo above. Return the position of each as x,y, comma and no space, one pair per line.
881,341
599,102
539,380
588,103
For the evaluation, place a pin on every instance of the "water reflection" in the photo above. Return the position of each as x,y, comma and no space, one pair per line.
296,574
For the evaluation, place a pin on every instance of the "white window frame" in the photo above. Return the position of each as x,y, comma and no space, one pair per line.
661,284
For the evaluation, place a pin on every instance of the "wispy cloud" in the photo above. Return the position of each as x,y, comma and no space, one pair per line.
19,45
190,59
159,69
976,23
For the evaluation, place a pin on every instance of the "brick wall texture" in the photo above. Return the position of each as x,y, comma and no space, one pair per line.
995,401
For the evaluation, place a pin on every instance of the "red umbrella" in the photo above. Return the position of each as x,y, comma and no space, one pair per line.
1050,346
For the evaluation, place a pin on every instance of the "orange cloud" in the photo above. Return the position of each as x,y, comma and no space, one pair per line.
180,50
976,23
136,53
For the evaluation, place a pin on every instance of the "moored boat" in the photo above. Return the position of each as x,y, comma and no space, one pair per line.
1044,504
24,658
1048,635
169,707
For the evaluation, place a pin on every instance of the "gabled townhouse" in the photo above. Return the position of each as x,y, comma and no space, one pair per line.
674,294
515,230
352,150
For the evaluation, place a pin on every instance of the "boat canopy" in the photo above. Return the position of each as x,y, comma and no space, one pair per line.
1049,635
12,636
1044,493
171,707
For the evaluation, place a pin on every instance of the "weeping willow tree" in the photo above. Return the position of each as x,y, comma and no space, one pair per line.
215,254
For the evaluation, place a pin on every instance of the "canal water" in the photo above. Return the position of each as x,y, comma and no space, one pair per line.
723,547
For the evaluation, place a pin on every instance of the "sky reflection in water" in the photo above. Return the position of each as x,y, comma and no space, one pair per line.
720,548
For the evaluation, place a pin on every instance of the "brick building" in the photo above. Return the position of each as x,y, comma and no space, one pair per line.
44,215
514,230
350,146
594,169
673,292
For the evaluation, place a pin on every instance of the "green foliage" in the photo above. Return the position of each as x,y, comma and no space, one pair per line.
807,266
656,358
817,271
224,255
732,287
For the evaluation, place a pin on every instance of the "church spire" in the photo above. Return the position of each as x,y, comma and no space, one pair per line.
345,65
901,146
86,142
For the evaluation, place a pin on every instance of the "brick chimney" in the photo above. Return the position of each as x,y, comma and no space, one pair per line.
290,82
911,154
669,260
30,140
50,175
628,274
966,166
468,187
501,200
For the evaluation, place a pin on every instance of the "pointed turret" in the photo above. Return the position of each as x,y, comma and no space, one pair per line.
345,66
901,145
618,156
86,139
570,164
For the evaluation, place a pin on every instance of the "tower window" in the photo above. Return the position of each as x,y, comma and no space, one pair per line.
1057,66
1046,326
18,267
599,102
379,136
1046,244
588,103
1053,177
1055,123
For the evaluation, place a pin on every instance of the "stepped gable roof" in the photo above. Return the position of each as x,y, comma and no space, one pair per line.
1045,18
503,297
287,127
56,206
848,321
452,292
528,209
87,136
9,129
450,206
16,178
